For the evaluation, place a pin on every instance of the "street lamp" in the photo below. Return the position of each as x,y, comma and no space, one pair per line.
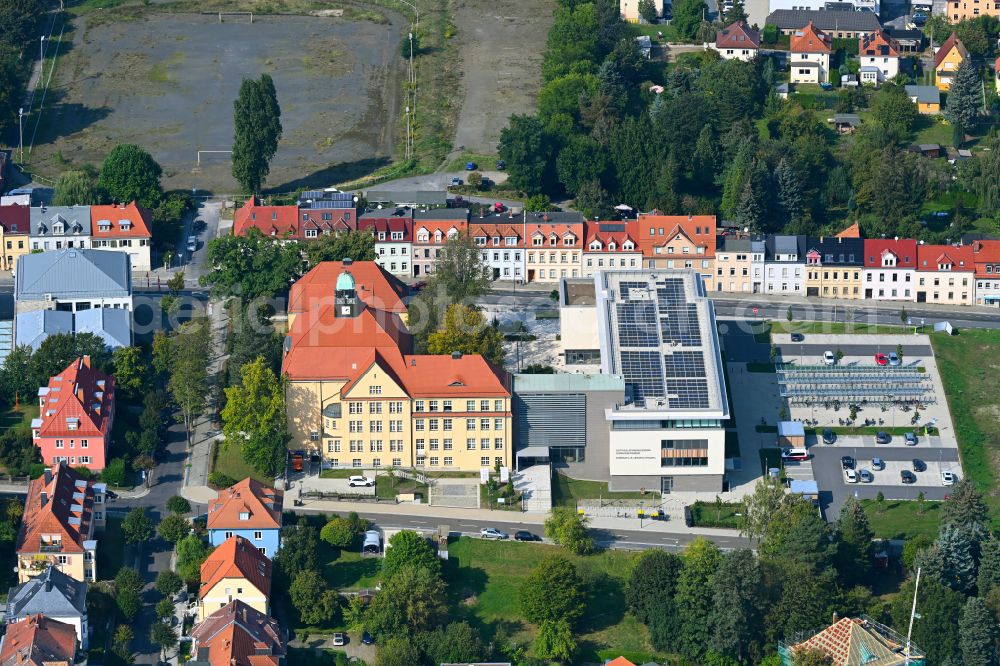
41,51
20,132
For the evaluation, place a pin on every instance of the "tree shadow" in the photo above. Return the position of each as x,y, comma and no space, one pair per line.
604,595
336,173
61,119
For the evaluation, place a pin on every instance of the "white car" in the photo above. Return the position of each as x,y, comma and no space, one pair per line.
851,475
948,478
338,639
492,533
829,358
360,482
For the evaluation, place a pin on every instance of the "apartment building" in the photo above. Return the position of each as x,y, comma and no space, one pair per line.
834,266
784,265
986,257
432,229
124,228
15,222
679,241
234,570
890,269
610,246
393,234
501,242
734,265
59,227
554,246
946,274
54,594
250,510
238,635
960,10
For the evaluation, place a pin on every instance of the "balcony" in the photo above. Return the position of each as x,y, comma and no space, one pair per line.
50,548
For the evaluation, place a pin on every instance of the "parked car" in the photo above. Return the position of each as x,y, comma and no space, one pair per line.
798,337
894,359
492,533
919,19
826,85
829,358
339,639
795,454
525,535
110,495
829,436
851,476
911,439
878,464
880,359
367,639
373,542
882,437
470,166
847,462
948,478
919,465
865,476
501,165
297,462
906,476
361,482
456,182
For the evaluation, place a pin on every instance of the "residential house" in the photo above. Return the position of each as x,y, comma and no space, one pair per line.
322,213
238,635
76,416
851,231
737,41
758,252
734,265
890,269
38,640
113,326
679,241
15,222
927,99
834,266
250,510
357,396
986,257
611,246
854,642
947,59
880,56
56,596
909,41
809,57
271,221
125,228
784,265
554,246
73,280
835,24
630,9
959,10
501,240
392,230
61,511
59,227
234,570
946,274
432,229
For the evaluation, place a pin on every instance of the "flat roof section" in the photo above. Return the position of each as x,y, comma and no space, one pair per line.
579,292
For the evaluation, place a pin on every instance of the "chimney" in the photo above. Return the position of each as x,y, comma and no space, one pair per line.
347,261
85,362
48,475
456,355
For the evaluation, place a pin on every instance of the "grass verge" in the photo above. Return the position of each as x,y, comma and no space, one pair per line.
902,519
229,461
567,491
707,514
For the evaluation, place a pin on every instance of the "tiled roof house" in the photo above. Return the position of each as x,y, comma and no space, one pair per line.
235,570
238,635
38,641
54,595
248,509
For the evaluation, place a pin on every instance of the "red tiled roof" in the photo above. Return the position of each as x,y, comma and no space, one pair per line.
80,395
878,44
810,39
854,642
960,257
387,225
64,512
263,503
236,558
239,635
340,219
699,229
737,36
953,42
38,641
502,230
592,231
433,226
280,221
986,252
619,661
905,250
126,221
16,217
376,287
853,231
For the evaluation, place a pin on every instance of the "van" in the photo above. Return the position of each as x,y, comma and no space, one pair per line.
372,543
795,454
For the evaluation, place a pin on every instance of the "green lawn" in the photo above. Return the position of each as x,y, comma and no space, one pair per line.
11,418
931,129
348,570
567,491
482,161
229,461
900,519
706,514
110,549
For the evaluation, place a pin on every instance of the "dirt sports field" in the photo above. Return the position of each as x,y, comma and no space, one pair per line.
501,50
168,81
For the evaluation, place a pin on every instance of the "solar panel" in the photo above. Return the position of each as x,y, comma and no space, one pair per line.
641,370
684,364
608,227
637,324
687,393
327,204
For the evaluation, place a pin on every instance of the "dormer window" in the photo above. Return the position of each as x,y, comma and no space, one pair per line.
104,225
125,224
452,233
496,240
627,245
480,240
58,228
596,245
274,215
437,236
612,246
381,235
244,515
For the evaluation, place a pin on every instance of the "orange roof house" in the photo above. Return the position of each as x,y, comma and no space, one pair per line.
856,642
76,416
248,509
948,59
853,231
878,44
679,241
810,39
238,635
60,512
121,221
235,570
272,221
376,287
38,641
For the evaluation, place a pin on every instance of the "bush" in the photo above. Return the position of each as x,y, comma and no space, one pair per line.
179,505
220,480
114,473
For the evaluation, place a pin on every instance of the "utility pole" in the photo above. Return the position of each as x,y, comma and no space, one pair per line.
913,614
20,132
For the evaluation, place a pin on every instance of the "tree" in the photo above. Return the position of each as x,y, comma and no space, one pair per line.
456,643
354,613
13,77
965,508
411,601
569,529
538,203
145,464
705,161
854,543
128,585
188,383
688,15
460,270
163,636
131,371
114,474
572,40
254,417
760,507
178,505
937,631
191,553
694,597
406,547
582,160
76,188
57,351
958,553
137,526
527,151
251,266
989,566
737,605
356,245
257,120
650,589
299,550
893,111
316,603
173,528
168,583
964,105
554,640
342,532
129,173
593,200
397,651
977,634
736,12
121,644
19,21
647,10
164,608
789,189
553,591
812,657
16,378
465,330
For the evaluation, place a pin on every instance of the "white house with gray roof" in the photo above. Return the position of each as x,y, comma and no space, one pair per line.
785,265
113,325
53,594
73,280
59,227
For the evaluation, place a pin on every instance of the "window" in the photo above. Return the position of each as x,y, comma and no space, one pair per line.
498,461
356,462
84,460
448,446
498,424
484,424
374,390
448,460
446,406
397,462
485,461
498,405
258,535
432,424
244,515
470,405
374,407
59,444
446,424
355,408
434,461
374,426
83,443
498,443
418,425
418,406
470,424
470,444
229,535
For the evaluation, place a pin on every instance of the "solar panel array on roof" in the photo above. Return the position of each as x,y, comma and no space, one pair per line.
325,204
679,319
637,324
643,373
607,227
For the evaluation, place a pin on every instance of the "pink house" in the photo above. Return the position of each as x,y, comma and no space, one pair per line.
76,414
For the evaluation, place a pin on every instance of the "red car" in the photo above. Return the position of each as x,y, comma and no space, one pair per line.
880,359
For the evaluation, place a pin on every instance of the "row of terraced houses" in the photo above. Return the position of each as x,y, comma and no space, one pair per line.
547,247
